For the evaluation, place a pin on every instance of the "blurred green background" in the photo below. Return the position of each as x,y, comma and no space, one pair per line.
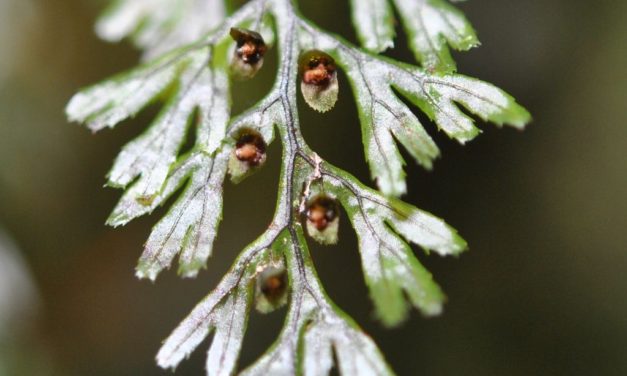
543,290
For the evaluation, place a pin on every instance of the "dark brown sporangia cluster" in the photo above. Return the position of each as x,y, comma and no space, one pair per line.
250,49
248,155
271,288
319,83
322,211
317,68
251,148
322,217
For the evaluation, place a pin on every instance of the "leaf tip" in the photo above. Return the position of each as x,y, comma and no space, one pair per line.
392,189
455,247
513,115
148,271
466,136
394,320
521,117
191,269
382,47
460,244
117,219
166,360
432,310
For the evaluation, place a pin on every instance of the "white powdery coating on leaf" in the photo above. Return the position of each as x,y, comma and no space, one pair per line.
390,267
370,247
129,207
444,111
356,352
439,96
358,355
124,19
187,336
160,25
481,98
281,359
427,231
152,154
386,163
191,224
431,24
230,321
215,113
374,24
206,316
382,114
278,362
106,104
318,352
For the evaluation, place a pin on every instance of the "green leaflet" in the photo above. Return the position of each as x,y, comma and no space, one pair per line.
391,270
314,328
432,26
385,119
374,23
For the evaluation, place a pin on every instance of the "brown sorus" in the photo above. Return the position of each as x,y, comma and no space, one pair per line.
317,68
322,211
250,148
250,46
273,284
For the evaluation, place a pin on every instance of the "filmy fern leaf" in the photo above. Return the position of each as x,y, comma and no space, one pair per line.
157,26
374,23
193,80
433,26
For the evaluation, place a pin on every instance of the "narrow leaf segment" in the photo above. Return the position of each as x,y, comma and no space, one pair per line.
432,26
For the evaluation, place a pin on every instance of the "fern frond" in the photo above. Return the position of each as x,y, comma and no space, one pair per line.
193,80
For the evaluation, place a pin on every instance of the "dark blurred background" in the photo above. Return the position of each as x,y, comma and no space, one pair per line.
543,290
